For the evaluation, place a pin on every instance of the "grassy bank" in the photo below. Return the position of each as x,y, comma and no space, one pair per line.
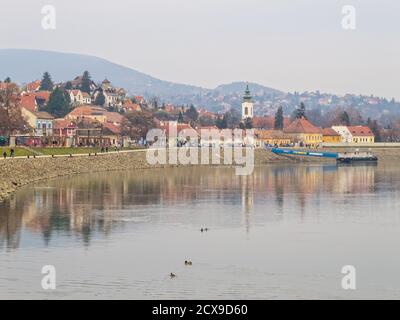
18,152
23,152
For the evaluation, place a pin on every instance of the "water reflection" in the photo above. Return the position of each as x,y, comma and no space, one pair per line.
91,205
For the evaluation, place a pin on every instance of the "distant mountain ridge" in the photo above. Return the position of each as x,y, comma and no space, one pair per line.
25,65
238,87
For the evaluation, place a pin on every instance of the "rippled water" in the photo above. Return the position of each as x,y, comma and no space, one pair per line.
283,232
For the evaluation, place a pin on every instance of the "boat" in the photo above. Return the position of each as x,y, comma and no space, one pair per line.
350,157
343,157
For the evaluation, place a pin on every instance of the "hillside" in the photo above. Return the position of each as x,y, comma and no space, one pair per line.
27,65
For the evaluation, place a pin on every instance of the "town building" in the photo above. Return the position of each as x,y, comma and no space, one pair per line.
64,132
355,134
114,97
40,121
304,133
330,136
129,106
94,113
76,97
33,86
271,137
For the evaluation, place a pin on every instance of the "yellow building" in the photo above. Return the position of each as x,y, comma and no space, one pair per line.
271,137
331,136
304,132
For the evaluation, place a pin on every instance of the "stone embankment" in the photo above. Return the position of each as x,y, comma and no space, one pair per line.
18,172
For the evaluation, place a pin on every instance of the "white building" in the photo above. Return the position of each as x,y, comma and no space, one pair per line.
247,105
355,134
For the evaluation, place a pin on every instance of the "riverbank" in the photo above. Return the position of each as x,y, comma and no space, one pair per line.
18,172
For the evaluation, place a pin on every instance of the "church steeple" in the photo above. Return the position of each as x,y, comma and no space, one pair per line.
247,95
247,104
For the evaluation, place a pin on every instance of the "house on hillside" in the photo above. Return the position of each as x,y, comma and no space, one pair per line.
33,86
77,84
129,106
114,97
40,121
76,97
34,101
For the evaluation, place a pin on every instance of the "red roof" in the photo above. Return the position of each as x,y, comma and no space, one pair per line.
130,106
28,102
164,125
112,128
45,95
329,132
63,123
360,131
88,110
302,126
267,122
33,86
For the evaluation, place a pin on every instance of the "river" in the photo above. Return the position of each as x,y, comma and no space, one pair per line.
286,231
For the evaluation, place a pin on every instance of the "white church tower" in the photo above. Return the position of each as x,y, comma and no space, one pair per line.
247,105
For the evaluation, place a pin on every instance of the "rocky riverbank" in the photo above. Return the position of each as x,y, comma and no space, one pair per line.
18,172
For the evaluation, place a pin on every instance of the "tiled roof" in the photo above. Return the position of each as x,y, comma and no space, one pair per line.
87,110
267,122
33,86
360,131
329,132
114,117
302,126
164,125
63,123
45,95
112,128
28,102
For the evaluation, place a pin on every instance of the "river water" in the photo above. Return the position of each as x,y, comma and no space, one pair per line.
284,232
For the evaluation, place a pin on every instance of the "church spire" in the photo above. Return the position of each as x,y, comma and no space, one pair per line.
247,95
247,104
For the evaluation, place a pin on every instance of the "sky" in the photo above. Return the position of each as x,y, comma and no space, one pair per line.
284,44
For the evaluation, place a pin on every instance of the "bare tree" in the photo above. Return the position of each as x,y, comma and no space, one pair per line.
11,119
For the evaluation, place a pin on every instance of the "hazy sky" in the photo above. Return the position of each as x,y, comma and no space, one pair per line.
288,45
